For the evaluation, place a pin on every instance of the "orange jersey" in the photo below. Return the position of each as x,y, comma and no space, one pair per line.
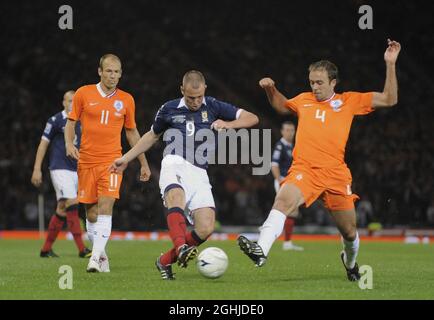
102,118
324,127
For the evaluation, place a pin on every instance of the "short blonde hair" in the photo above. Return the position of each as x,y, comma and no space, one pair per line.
193,78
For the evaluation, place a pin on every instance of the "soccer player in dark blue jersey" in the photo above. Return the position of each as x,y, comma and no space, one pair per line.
184,182
280,163
63,172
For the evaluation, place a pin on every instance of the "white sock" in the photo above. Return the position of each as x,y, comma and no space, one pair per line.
271,229
103,228
351,249
90,227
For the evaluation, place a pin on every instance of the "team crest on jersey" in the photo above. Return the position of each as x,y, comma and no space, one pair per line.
336,105
204,116
118,105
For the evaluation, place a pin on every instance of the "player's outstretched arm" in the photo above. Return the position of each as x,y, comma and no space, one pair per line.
71,150
40,154
245,120
143,145
133,137
275,97
389,96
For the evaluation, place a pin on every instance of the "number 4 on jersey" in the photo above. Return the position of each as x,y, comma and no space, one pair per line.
320,115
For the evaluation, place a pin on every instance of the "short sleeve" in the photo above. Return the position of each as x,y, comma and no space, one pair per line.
225,111
130,119
50,129
277,152
361,103
160,124
77,106
294,103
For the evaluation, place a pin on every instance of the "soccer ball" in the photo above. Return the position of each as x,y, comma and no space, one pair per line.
212,262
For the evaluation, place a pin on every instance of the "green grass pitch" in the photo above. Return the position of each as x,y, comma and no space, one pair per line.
400,271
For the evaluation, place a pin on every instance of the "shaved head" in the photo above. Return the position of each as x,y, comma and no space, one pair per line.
193,79
109,56
193,89
67,100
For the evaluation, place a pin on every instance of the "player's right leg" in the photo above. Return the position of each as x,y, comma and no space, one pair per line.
287,233
287,200
54,227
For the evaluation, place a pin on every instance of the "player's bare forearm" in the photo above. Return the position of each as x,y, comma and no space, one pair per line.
276,99
246,120
276,172
69,132
40,154
133,137
391,85
69,135
143,145
389,96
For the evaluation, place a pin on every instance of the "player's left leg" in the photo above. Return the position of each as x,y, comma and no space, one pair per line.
74,226
346,224
102,231
339,199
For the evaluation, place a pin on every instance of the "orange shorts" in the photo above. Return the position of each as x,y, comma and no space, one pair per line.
97,181
333,185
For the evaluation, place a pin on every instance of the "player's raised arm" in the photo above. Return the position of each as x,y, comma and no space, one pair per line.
133,137
389,96
71,150
143,145
275,97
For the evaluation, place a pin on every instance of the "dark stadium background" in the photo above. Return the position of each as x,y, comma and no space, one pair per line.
234,43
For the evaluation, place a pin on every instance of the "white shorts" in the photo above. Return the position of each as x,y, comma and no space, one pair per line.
176,171
65,183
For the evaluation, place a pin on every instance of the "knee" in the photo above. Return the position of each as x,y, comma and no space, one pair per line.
175,198
92,217
349,233
204,231
286,206
70,202
60,210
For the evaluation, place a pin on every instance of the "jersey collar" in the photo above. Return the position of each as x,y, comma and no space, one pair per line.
286,143
102,93
64,114
333,95
182,103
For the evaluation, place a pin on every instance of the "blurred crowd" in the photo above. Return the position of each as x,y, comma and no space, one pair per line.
390,152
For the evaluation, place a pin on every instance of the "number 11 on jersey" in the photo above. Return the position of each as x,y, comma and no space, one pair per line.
320,115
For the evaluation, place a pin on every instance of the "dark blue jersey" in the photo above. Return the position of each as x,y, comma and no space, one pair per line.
54,134
188,140
282,156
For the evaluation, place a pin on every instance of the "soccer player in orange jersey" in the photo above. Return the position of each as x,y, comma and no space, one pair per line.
319,169
103,111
